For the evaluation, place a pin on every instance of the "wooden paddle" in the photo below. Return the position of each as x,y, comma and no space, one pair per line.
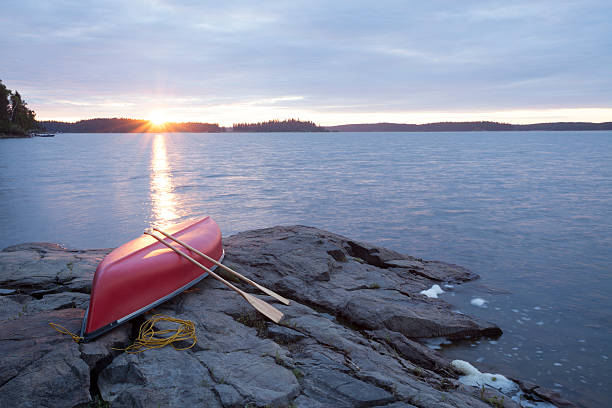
226,268
262,307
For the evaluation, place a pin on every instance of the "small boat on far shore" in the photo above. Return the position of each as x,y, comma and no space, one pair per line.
43,134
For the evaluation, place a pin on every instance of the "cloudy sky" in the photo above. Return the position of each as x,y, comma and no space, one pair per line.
331,62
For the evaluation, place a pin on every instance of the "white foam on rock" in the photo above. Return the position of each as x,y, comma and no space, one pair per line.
433,292
480,302
473,377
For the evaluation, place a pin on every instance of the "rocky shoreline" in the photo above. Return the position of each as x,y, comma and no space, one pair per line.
349,338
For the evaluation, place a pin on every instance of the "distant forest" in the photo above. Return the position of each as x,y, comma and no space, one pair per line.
468,127
291,125
121,125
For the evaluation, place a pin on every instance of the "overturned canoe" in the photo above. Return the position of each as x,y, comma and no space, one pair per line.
143,273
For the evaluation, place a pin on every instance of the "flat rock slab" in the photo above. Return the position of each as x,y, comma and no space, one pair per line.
39,366
365,285
349,338
41,268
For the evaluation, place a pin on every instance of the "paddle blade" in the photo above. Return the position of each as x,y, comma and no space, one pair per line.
264,308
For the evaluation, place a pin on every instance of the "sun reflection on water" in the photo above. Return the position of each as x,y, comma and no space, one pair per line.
163,199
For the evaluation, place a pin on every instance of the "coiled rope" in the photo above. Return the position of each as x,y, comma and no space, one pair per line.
149,338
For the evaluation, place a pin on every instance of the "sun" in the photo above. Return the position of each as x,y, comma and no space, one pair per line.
157,118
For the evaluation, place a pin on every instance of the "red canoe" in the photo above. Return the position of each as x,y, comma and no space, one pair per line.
143,273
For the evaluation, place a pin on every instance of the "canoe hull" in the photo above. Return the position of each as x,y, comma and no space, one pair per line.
144,273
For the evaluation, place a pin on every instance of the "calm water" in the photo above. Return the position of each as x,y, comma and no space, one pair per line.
530,212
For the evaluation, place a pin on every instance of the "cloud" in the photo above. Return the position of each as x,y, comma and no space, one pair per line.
292,57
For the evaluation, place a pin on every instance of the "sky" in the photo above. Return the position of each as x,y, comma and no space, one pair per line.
332,62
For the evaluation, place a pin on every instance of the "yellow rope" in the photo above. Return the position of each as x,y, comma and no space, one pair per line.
149,338
64,330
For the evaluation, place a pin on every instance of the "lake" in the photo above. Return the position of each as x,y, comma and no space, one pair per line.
531,212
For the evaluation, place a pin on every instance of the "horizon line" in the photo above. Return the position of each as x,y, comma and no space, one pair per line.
326,126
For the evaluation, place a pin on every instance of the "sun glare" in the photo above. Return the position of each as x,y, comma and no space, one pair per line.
157,118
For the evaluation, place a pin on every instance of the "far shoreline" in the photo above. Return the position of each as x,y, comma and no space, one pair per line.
14,136
124,125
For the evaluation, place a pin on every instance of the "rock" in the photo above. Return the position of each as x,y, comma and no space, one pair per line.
554,397
228,395
165,377
98,354
411,350
490,396
268,383
284,335
336,388
396,405
301,263
434,270
12,306
56,301
41,268
349,338
543,394
39,366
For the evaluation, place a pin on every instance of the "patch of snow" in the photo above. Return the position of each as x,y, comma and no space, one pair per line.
433,292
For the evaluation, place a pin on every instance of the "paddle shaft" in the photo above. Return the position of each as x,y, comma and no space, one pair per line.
226,268
267,310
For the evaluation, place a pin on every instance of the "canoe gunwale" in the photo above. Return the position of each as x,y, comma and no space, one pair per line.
87,337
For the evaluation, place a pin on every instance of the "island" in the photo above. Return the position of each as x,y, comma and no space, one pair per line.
290,125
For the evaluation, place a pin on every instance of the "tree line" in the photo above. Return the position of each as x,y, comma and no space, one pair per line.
468,127
124,125
291,125
15,116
